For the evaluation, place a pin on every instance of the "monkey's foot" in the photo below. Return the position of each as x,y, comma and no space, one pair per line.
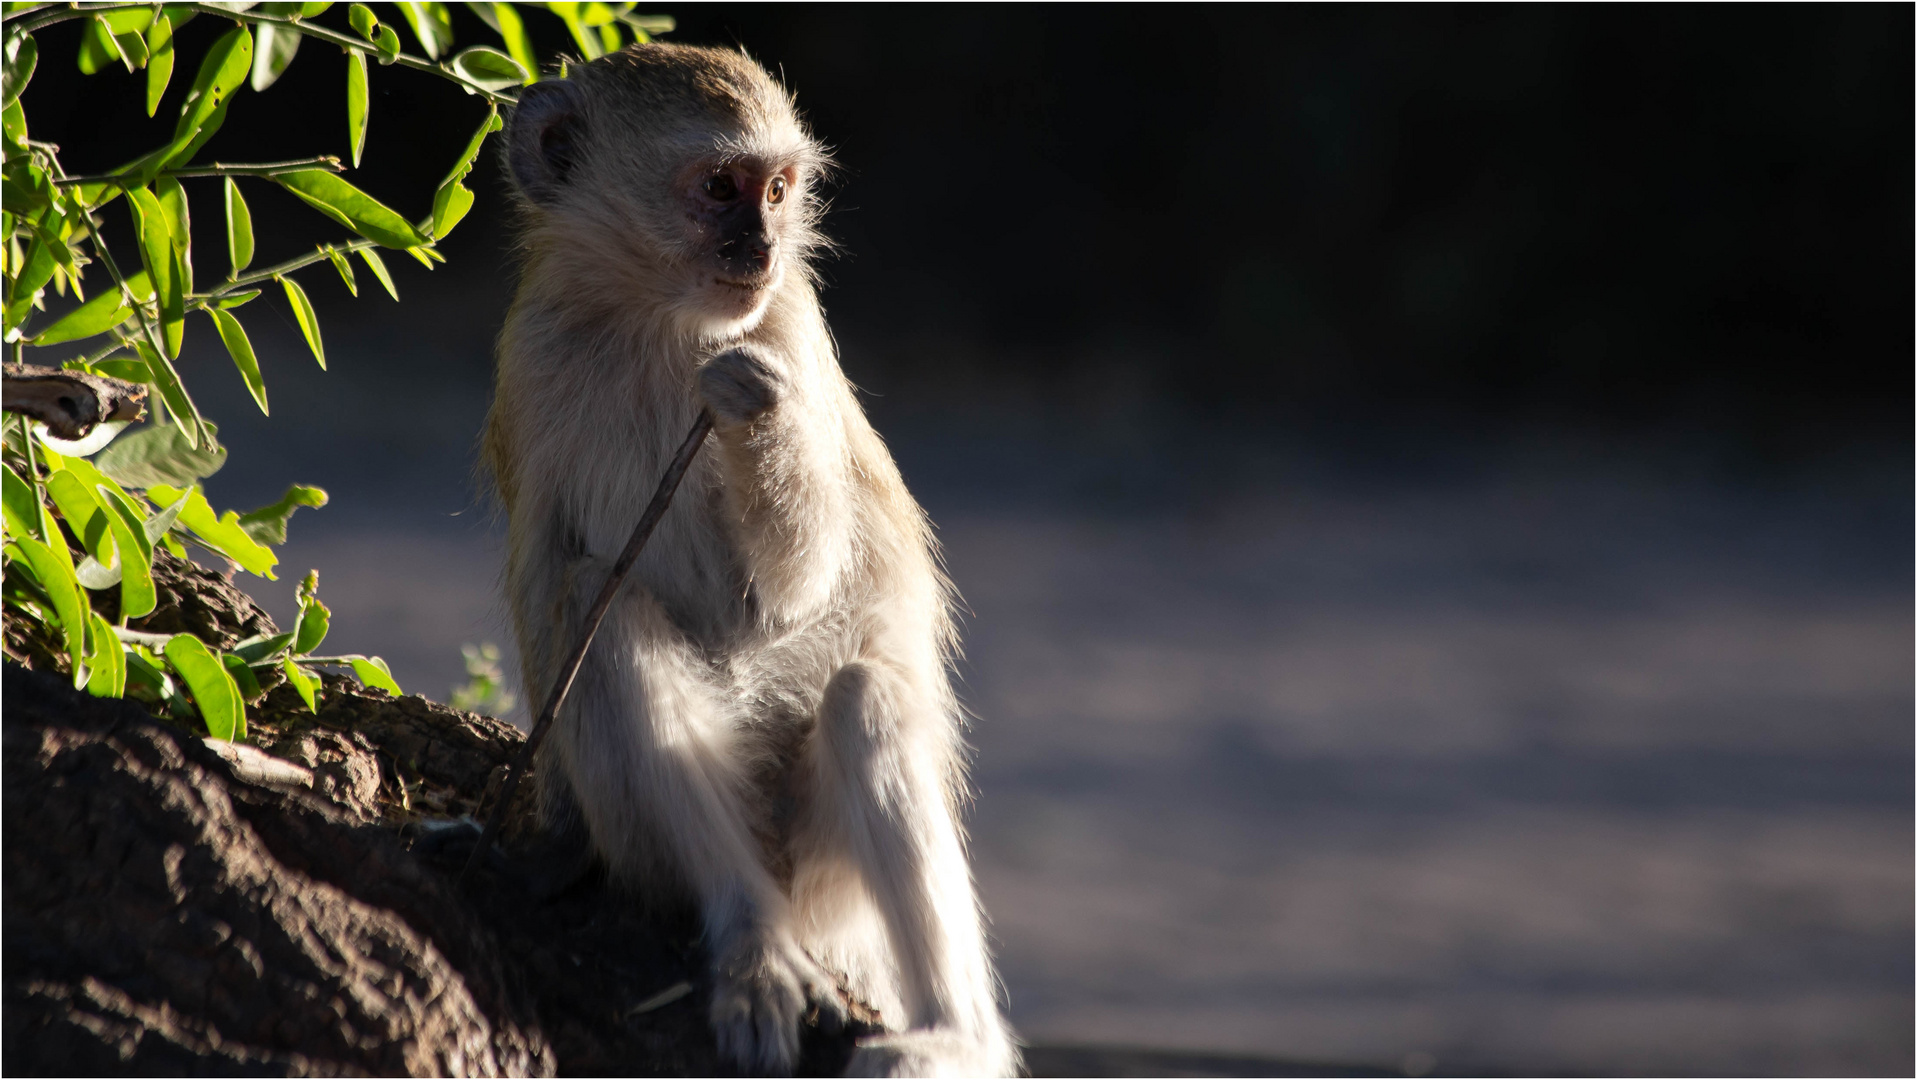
761,987
933,1052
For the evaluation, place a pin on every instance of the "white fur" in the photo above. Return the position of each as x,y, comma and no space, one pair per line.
784,639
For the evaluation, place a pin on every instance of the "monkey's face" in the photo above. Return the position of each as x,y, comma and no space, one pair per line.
673,182
738,214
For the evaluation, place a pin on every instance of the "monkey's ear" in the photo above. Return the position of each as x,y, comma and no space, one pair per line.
544,139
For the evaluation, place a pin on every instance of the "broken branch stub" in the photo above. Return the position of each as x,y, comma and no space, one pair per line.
69,403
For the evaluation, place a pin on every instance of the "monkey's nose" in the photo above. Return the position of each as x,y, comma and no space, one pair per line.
750,252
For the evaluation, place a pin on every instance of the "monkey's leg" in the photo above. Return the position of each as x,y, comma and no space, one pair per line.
879,764
650,755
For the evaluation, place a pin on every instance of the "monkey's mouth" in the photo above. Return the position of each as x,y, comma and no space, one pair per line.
750,285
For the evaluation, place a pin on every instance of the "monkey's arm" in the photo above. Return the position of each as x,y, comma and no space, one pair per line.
780,428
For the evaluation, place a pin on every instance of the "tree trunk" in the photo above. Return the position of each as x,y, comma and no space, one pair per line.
176,905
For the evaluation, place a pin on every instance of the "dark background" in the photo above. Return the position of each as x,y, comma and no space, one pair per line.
1431,486
1662,221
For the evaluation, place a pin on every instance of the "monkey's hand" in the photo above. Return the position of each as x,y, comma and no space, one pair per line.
742,384
763,982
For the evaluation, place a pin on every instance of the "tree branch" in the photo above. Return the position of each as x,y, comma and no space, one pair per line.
69,403
329,162
302,262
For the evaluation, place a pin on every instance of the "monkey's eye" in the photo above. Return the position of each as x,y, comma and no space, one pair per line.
720,186
775,191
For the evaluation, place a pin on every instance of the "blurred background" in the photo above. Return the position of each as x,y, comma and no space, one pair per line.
1432,489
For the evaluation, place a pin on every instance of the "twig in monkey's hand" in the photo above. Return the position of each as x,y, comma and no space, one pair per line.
656,509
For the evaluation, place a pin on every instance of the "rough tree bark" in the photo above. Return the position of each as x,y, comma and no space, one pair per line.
69,403
287,906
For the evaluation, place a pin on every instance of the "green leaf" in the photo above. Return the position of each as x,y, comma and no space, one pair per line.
351,207
363,21
373,672
85,516
104,311
179,226
268,524
454,199
174,213
53,569
588,42
432,24
233,336
212,688
314,618
159,61
137,594
388,43
450,205
156,454
314,7
647,27
157,255
33,276
222,70
128,20
126,45
309,322
158,528
13,123
259,647
597,13
338,259
173,306
274,51
91,475
504,18
123,367
305,683
146,680
21,56
356,99
242,676
223,534
106,659
165,379
490,68
239,230
94,574
236,300
21,509
464,164
97,48
378,266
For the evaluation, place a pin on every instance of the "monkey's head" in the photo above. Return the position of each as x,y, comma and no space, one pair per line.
680,179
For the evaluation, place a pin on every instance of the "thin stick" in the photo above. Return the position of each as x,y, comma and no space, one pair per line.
656,509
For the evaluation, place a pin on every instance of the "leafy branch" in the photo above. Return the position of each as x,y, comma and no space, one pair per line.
294,22
91,513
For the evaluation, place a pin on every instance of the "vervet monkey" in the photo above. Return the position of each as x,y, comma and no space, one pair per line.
765,723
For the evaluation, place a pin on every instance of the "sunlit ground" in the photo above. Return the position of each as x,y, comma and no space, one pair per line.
1547,768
